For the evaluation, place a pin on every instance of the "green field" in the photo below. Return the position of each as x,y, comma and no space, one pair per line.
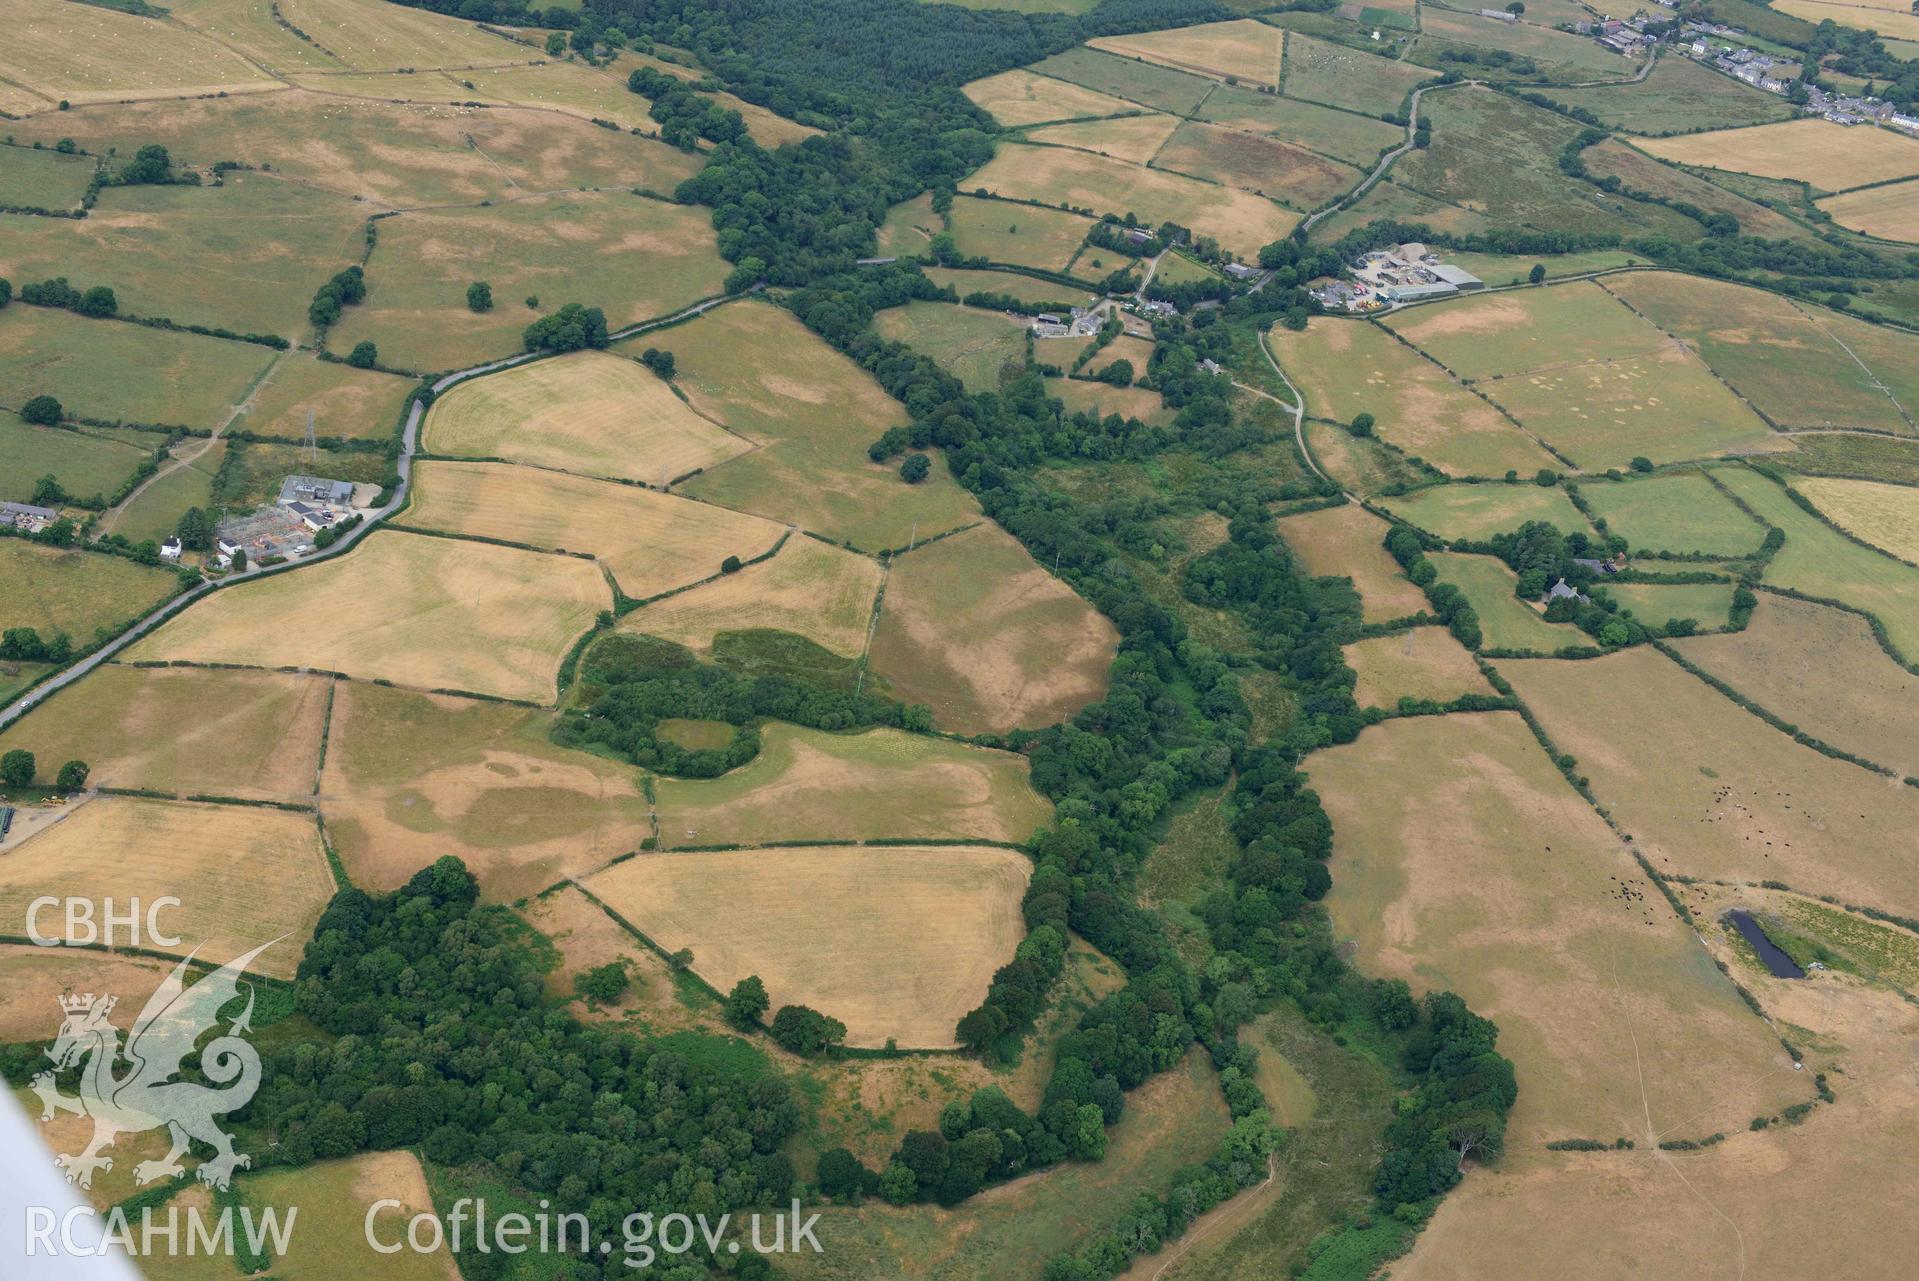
86,462
1510,269
1158,87
1878,457
1821,562
1505,621
632,257
356,404
1480,511
75,592
1343,135
1676,512
1639,172
156,512
1680,96
1340,77
1001,231
1028,289
977,347
259,246
1656,604
118,372
1557,55
1493,152
43,179
910,227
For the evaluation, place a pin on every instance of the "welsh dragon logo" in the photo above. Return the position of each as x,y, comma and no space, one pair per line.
126,1090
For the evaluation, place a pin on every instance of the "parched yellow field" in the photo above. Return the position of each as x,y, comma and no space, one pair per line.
1707,789
248,26
244,874
1080,396
1861,15
360,404
974,628
1887,516
431,612
1890,212
1019,97
1422,662
1829,156
1254,162
1349,542
88,53
806,785
1022,235
411,777
365,37
633,257
589,412
652,542
33,979
809,588
896,942
1821,669
1239,220
338,1218
1496,335
1243,50
1134,138
1463,862
813,413
190,731
1347,368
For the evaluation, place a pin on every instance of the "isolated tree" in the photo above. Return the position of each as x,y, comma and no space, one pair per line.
43,410
555,44
72,776
602,982
746,1003
659,361
239,559
1641,464
1362,425
1538,273
479,296
364,355
731,565
806,1031
195,530
915,468
97,302
150,164
682,959
17,768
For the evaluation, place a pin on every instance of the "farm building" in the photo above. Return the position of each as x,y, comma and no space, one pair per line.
26,516
312,489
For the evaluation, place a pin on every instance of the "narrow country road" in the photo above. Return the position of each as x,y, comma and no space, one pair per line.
409,444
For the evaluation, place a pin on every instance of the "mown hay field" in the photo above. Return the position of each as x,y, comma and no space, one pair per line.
258,248
1239,220
1498,335
1505,621
809,588
589,412
1319,71
1462,862
1421,662
1022,235
1477,512
33,979
1342,135
1674,512
1821,562
189,731
437,613
117,372
974,628
411,777
1140,84
1884,20
896,942
1890,212
88,53
43,179
1787,360
135,847
358,404
652,542
1678,95
1136,138
1346,369
1821,669
250,27
1707,789
635,258
339,1220
73,591
1243,50
86,461
1020,97
1830,157
364,37
806,785
1252,162
974,346
1349,542
390,154
1887,516
813,413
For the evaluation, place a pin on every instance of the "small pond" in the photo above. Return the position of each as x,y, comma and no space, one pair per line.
1775,959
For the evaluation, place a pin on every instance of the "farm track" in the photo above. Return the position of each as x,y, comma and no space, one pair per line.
403,465
1385,161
